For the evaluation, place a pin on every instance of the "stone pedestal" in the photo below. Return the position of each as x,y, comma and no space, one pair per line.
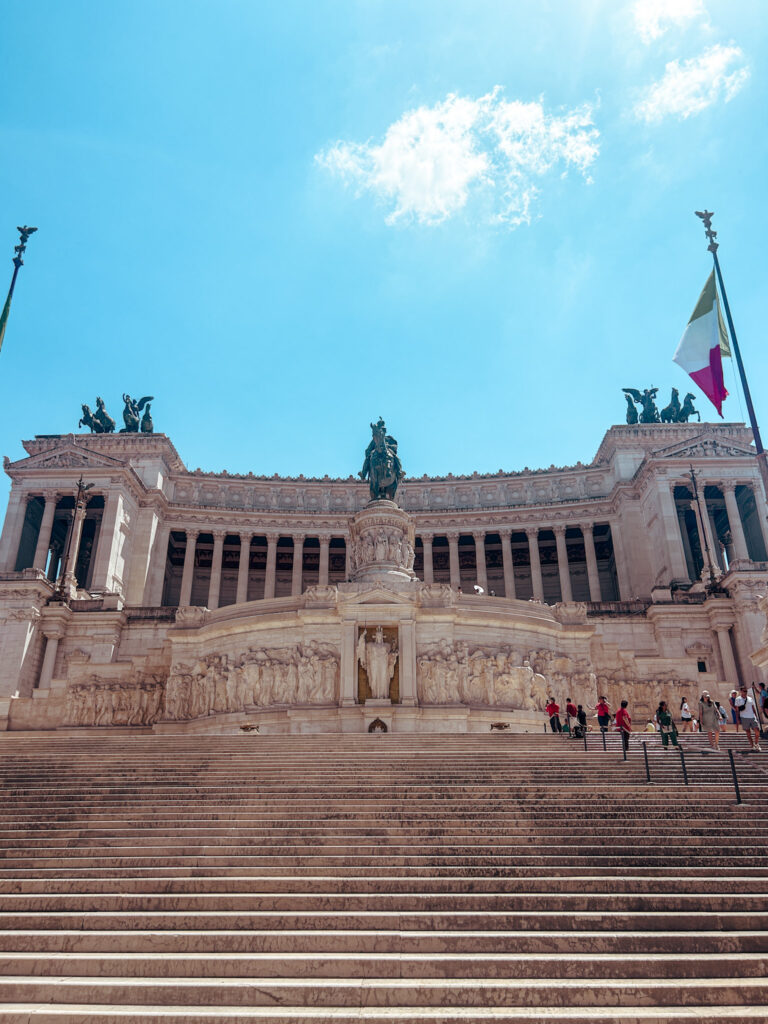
382,544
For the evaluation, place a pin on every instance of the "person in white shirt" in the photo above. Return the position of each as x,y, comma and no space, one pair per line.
746,709
685,715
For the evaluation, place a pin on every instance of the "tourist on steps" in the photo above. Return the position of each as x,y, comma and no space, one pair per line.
685,715
580,731
603,710
709,719
746,709
553,710
734,713
624,723
723,716
667,727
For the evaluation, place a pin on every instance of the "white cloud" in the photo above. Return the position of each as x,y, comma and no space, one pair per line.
690,86
654,17
432,158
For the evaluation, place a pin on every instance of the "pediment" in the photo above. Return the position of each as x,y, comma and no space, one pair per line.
367,593
70,456
705,445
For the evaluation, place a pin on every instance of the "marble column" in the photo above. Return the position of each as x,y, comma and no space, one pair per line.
52,638
243,568
508,562
480,564
566,592
46,526
533,548
347,558
620,558
154,588
593,574
678,569
726,652
269,580
761,514
426,547
12,527
453,556
298,565
189,568
214,587
322,579
702,519
102,580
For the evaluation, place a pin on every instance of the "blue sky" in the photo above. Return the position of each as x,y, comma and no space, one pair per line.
284,219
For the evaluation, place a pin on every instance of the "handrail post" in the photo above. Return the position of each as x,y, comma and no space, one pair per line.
624,743
735,776
585,737
647,766
682,762
602,732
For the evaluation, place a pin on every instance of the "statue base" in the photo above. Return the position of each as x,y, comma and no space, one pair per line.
382,542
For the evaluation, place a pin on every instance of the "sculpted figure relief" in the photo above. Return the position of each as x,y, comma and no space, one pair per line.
378,659
454,674
304,674
101,703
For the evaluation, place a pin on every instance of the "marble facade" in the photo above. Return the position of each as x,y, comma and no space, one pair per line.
213,602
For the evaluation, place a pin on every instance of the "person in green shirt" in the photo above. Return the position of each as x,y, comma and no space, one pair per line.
667,727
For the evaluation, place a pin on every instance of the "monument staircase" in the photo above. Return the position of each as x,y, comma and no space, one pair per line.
379,878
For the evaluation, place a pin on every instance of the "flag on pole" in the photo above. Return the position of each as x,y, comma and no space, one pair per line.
704,343
4,317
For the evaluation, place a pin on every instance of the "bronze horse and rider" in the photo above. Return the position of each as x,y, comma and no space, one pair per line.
382,466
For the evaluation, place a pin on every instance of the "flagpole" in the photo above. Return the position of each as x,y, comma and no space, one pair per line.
706,216
18,262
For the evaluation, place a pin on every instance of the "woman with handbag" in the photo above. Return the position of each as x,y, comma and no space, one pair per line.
667,727
709,720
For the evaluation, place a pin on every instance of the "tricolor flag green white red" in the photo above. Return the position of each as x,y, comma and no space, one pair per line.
704,343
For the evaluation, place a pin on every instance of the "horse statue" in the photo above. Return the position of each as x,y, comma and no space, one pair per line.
671,413
687,410
88,420
645,399
131,413
99,421
382,466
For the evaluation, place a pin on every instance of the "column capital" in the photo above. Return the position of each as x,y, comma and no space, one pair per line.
453,535
479,535
272,538
298,538
532,532
246,538
192,534
729,486
504,532
426,538
587,527
219,534
324,541
559,529
50,494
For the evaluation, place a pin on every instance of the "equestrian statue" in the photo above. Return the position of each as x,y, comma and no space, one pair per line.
672,413
382,467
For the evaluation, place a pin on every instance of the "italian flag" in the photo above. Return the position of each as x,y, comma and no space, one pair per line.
703,344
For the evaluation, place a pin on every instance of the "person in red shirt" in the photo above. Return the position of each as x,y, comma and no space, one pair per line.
570,708
624,722
553,710
603,710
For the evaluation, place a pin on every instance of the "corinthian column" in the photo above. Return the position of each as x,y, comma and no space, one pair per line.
426,547
298,565
242,568
44,537
481,568
189,568
509,565
533,548
323,572
453,556
587,530
269,579
734,521
566,592
214,586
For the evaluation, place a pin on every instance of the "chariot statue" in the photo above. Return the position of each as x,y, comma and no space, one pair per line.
382,467
131,414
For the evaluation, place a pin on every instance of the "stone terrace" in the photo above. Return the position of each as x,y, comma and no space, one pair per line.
378,878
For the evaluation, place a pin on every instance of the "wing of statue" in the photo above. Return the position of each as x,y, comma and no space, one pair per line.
143,401
634,393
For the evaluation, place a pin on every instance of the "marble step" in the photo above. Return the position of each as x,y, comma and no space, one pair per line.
373,903
419,884
401,941
388,992
26,1013
554,966
469,920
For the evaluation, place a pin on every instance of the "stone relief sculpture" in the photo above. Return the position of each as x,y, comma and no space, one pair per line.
378,658
453,674
305,674
101,703
382,545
